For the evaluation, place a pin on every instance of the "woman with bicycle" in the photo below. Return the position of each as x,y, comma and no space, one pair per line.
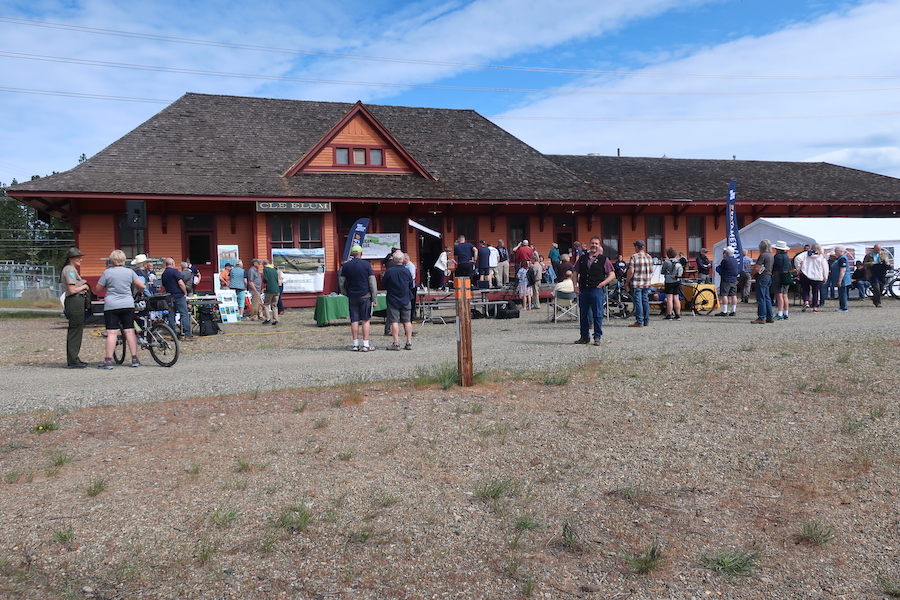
118,306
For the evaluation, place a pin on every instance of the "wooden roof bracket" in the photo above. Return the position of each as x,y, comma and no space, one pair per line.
542,217
677,211
635,212
591,215
164,214
718,211
494,210
232,206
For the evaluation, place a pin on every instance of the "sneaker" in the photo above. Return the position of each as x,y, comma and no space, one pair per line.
668,318
721,314
583,341
677,317
815,310
770,320
785,317
78,365
267,321
393,346
106,364
805,308
632,325
364,348
188,338
135,362
758,321
732,314
597,342
778,317
354,348
408,346
842,310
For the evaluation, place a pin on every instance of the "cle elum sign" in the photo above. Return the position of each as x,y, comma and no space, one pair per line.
282,206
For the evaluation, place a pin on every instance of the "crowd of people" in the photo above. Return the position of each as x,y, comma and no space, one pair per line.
585,271
120,285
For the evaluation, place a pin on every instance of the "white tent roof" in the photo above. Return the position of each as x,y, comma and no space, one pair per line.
827,231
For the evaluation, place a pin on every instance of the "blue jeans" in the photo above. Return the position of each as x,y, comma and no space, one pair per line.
843,292
181,307
764,297
641,305
590,307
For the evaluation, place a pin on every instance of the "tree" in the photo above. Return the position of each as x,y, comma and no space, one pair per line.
25,238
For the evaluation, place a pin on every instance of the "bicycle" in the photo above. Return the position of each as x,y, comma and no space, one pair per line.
702,301
155,336
617,299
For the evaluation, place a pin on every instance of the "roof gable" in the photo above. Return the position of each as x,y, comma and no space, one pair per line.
358,128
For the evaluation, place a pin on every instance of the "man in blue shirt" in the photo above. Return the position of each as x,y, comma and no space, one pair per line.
465,255
174,284
357,281
401,291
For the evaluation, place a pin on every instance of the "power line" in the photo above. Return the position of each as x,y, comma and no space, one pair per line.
281,78
480,66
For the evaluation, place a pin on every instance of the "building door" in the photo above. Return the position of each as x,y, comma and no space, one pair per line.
564,239
429,249
199,247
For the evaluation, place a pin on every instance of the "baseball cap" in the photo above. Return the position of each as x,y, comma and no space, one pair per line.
356,249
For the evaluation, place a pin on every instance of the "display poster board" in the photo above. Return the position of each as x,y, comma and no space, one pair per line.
378,245
226,253
228,306
303,269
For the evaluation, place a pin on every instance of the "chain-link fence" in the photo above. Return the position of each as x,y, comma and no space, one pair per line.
16,278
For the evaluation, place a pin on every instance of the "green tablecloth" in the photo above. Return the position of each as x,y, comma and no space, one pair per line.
329,308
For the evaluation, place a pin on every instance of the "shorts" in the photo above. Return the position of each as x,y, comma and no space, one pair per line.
360,309
399,315
673,288
782,289
728,289
119,318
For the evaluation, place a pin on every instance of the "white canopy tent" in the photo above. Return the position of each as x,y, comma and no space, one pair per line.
858,235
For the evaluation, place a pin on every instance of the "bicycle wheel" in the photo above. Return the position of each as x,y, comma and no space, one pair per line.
119,350
893,287
617,307
704,302
163,345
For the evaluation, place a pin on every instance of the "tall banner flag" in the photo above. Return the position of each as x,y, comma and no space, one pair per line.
356,237
734,236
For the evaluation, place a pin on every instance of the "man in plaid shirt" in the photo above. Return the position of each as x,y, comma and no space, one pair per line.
640,269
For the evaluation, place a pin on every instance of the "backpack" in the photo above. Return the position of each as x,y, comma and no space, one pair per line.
530,277
208,325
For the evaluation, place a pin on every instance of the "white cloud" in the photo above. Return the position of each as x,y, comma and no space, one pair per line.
837,50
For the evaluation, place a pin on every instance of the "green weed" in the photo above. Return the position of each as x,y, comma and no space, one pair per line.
732,563
814,532
95,487
647,559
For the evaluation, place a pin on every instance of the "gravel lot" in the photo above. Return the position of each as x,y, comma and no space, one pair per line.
251,357
350,479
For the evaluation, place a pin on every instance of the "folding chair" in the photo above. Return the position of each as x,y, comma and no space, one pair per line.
562,304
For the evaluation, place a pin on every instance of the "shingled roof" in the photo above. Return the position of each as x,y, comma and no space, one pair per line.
208,145
652,180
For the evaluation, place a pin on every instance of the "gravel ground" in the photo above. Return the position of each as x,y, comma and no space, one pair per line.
251,357
712,436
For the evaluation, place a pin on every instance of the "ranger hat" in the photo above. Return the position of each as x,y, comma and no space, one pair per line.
73,252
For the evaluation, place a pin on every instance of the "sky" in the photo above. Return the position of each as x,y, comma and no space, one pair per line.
781,80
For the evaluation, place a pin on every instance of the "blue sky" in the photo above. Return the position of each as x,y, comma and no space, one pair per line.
796,80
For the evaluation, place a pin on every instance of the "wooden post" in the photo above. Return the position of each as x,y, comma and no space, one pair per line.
463,288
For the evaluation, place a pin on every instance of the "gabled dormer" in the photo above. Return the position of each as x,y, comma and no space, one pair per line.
358,143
